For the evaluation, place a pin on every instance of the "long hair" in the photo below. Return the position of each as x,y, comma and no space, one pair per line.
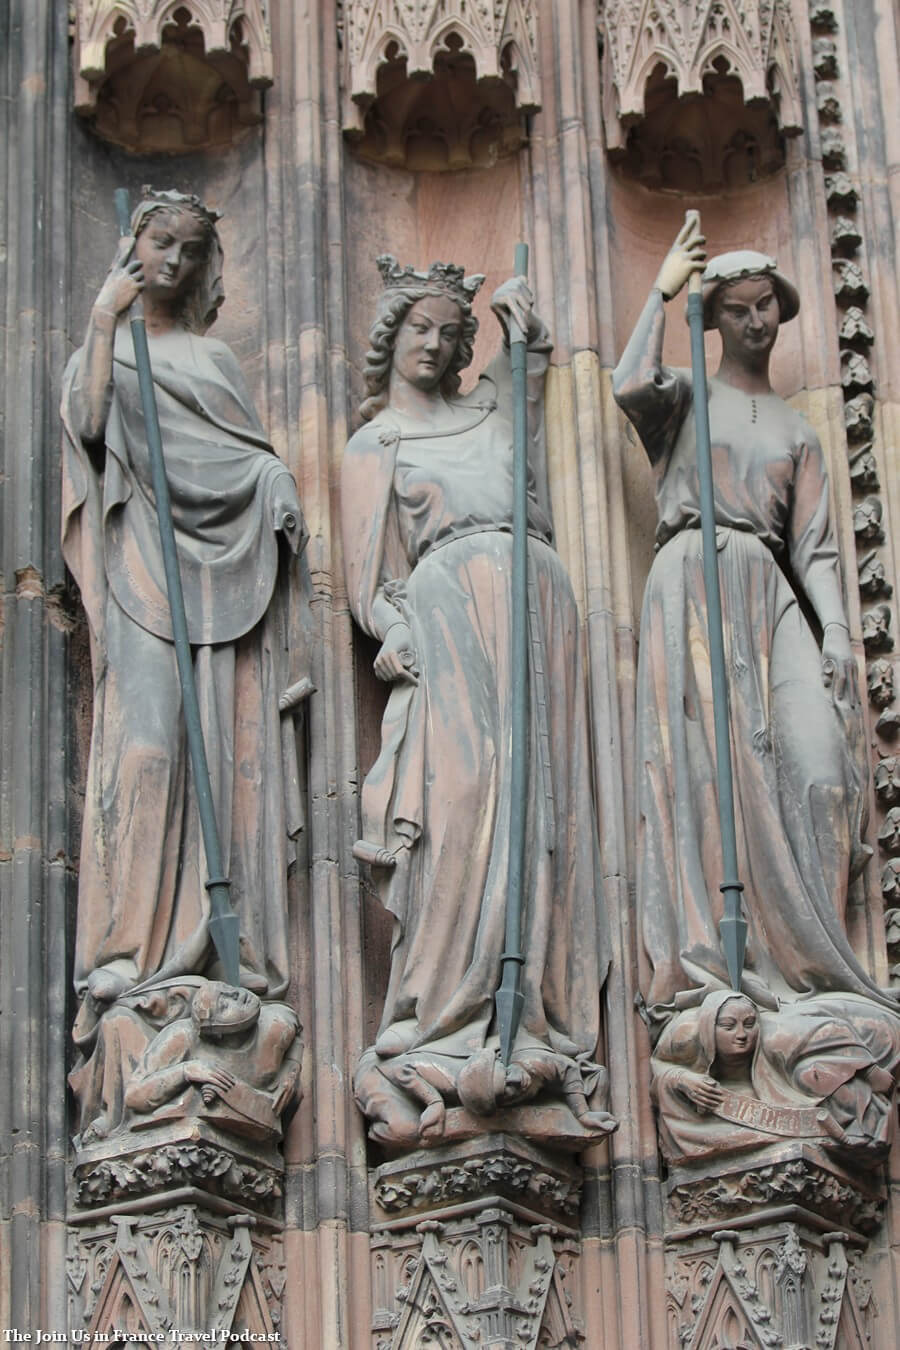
202,301
393,308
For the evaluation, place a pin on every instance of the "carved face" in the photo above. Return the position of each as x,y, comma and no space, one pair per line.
220,1008
427,340
172,248
747,316
737,1032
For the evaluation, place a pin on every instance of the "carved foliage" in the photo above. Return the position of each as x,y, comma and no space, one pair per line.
171,74
751,40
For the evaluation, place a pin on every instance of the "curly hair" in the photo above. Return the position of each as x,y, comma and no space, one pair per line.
393,308
202,301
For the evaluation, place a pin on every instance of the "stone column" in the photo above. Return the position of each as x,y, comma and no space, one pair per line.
33,724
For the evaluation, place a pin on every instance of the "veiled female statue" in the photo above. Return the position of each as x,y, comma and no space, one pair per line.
796,731
427,518
143,911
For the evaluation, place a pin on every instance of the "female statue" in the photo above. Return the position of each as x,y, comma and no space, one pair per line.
427,518
823,1069
143,909
796,729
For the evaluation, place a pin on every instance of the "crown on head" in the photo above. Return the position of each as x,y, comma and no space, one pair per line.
182,201
443,278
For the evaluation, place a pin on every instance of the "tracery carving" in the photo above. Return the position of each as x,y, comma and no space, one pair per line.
439,83
171,74
657,51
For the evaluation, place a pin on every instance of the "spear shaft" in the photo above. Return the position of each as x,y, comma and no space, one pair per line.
509,999
224,928
733,927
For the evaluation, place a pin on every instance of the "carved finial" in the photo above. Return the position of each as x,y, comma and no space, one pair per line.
444,278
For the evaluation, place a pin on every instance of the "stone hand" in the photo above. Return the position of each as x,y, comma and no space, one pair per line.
124,281
514,300
286,512
396,659
838,665
701,1089
211,1080
687,255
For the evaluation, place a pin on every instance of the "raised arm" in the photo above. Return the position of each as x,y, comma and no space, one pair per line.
514,300
653,397
92,390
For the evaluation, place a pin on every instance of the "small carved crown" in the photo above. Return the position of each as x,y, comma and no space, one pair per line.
184,201
444,278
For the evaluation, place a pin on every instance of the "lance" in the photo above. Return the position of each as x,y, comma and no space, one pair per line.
733,927
224,928
509,999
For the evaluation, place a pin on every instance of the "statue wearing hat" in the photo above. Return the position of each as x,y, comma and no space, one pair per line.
795,718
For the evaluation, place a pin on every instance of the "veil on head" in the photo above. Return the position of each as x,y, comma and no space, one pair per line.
207,295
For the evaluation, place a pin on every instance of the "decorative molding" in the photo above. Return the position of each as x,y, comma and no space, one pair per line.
160,1167
181,1268
799,1175
99,22
490,1167
171,74
481,1278
692,40
404,60
783,1285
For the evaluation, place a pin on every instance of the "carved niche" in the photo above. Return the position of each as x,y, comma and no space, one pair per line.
438,84
698,94
171,75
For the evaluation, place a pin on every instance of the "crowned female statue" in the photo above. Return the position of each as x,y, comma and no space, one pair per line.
427,510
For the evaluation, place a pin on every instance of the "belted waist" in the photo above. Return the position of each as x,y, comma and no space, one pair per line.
488,528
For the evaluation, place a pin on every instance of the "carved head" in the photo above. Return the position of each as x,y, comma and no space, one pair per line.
452,293
177,214
219,1009
737,1032
729,270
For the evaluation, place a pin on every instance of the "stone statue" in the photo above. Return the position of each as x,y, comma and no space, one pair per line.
729,1075
143,909
427,512
234,1061
796,729
193,1047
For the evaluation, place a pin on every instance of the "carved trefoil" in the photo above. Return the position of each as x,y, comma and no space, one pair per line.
724,70
439,83
171,75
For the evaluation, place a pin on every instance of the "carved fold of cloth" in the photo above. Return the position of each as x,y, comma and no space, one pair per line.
427,538
143,907
835,1052
798,757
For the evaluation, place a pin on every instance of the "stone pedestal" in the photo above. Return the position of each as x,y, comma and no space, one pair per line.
763,1251
475,1245
176,1228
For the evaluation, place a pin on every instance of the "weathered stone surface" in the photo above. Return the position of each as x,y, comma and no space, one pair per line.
693,42
184,1268
156,77
439,85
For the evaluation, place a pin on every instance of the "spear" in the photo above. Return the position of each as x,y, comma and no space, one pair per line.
224,928
733,927
509,998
